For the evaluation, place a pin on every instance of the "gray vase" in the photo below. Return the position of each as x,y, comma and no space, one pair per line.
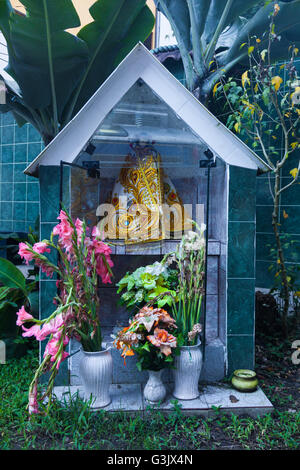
96,370
187,373
155,390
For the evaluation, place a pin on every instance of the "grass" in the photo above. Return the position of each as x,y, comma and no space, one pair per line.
76,427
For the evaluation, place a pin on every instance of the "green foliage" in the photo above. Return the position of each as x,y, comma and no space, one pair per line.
215,31
72,425
13,239
146,283
51,72
15,291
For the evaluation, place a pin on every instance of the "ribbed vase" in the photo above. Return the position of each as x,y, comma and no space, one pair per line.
187,373
155,390
96,372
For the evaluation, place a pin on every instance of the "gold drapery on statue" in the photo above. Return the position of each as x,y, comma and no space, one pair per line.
145,204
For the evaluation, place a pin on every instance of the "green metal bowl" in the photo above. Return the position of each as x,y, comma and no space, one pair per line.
244,380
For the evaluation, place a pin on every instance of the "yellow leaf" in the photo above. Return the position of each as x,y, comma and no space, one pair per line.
285,215
297,294
294,145
263,54
237,127
258,40
274,137
245,78
215,88
282,66
278,261
296,50
294,172
288,278
256,88
276,81
250,49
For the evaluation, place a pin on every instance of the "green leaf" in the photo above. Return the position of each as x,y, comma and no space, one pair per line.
34,302
47,61
117,27
11,276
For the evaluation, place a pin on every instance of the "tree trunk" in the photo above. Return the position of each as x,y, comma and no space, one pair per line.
283,273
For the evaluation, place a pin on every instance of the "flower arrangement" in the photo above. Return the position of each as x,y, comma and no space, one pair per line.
149,336
82,258
147,283
186,308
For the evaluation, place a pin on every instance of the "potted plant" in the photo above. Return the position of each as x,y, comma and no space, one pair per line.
149,336
82,258
190,261
147,284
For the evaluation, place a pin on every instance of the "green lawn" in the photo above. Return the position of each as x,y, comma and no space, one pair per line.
76,427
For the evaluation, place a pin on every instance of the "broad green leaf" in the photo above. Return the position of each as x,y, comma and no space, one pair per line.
118,26
11,276
47,61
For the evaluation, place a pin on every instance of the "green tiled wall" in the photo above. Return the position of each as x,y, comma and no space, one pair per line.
49,178
19,194
241,268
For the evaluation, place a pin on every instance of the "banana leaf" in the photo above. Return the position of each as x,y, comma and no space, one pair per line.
117,27
51,73
11,276
47,61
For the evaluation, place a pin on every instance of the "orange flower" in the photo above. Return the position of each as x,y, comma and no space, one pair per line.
163,340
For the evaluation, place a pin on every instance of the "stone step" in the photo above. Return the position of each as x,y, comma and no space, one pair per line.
129,398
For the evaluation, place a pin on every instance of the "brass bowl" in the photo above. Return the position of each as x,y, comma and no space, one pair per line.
244,380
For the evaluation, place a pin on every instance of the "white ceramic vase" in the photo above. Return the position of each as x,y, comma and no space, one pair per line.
155,390
187,373
96,370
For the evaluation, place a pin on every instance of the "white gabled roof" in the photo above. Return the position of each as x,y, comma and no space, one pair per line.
140,63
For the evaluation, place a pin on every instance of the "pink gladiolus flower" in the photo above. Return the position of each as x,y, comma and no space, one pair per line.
102,270
96,232
64,230
51,327
41,247
101,248
25,253
23,316
33,331
63,216
79,227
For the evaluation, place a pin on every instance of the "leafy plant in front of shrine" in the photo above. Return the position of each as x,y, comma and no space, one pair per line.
149,335
51,71
148,282
82,258
190,261
263,110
